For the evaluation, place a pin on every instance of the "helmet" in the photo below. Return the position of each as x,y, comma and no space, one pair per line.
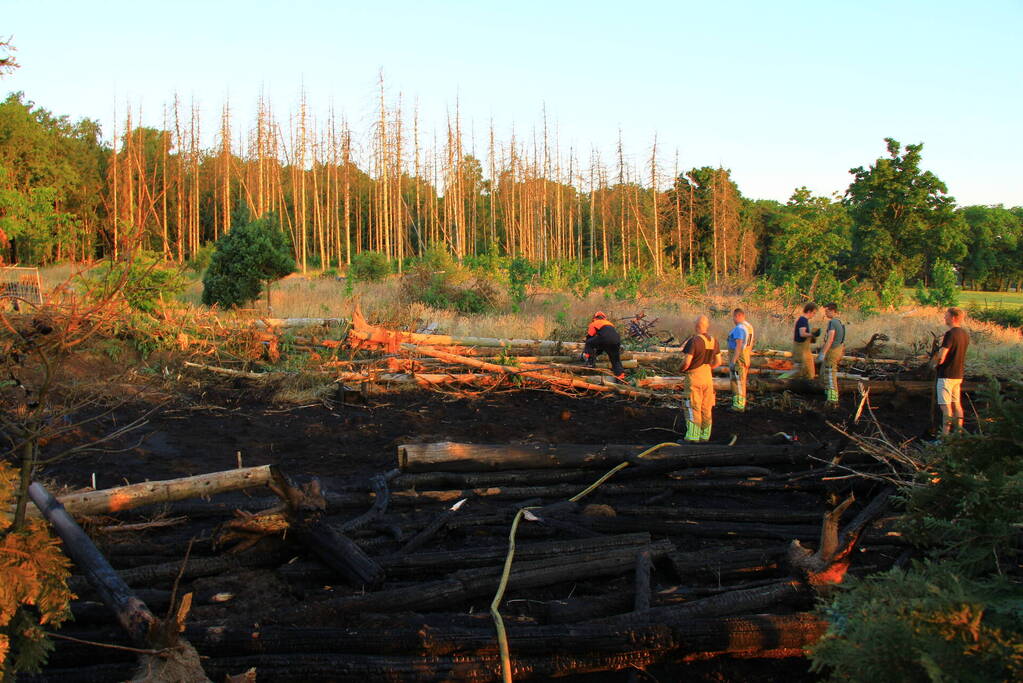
599,315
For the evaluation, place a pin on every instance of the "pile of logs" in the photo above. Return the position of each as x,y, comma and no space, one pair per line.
431,360
692,552
381,358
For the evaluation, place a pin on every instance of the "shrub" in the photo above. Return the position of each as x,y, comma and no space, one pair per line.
944,292
828,288
143,281
925,624
956,615
247,257
34,595
442,291
200,260
520,272
1007,317
892,294
369,266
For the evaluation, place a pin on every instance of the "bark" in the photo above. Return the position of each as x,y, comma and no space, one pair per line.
133,615
464,457
150,492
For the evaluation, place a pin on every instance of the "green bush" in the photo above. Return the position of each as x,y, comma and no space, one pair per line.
200,260
892,294
369,266
828,288
958,614
437,257
247,257
520,273
1007,317
442,290
945,290
926,624
143,280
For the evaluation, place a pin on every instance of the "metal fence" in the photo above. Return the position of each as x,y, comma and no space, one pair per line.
20,284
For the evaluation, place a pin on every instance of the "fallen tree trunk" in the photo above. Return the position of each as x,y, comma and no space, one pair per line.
555,380
540,652
305,508
474,583
169,657
134,495
449,456
133,615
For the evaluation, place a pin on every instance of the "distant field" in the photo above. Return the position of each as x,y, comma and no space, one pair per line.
972,299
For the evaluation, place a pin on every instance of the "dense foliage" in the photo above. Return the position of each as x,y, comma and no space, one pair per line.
369,266
144,280
33,594
248,257
957,613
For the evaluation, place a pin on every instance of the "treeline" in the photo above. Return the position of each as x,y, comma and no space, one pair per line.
68,194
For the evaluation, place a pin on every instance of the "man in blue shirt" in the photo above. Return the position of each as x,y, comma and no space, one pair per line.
740,347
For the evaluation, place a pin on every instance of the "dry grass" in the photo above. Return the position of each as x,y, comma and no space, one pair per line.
557,315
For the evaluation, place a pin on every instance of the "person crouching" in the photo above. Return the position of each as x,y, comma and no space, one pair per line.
602,337
701,354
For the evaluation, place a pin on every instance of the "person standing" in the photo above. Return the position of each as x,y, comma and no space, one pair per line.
949,361
601,336
701,354
803,338
740,348
831,353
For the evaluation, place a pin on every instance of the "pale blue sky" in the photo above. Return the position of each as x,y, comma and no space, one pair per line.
783,93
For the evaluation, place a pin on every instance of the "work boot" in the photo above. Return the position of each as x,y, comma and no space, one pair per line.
738,403
692,432
705,433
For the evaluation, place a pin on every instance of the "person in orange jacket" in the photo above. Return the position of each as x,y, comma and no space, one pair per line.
601,336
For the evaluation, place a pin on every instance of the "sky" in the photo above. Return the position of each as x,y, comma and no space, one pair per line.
784,94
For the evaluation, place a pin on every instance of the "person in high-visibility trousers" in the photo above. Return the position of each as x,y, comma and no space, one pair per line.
802,355
740,354
700,355
831,353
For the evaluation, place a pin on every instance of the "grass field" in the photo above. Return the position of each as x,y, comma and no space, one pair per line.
971,299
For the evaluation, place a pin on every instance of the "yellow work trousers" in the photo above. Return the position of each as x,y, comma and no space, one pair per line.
829,372
699,403
802,357
739,373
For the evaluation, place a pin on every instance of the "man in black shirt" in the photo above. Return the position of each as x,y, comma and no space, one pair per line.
949,361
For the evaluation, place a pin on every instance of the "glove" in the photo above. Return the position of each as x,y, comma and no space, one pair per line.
820,357
731,368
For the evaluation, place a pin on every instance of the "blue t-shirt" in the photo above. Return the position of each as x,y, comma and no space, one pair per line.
743,331
802,324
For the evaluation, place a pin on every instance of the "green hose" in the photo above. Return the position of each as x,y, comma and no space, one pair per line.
502,635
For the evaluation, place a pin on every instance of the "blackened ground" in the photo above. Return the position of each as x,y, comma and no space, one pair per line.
351,436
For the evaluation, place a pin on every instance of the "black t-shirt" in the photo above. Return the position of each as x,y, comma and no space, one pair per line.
696,346
802,324
956,340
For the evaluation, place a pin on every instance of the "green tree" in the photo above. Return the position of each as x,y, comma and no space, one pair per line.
247,257
903,217
813,237
995,241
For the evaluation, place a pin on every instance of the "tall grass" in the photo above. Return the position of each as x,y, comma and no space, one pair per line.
547,314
